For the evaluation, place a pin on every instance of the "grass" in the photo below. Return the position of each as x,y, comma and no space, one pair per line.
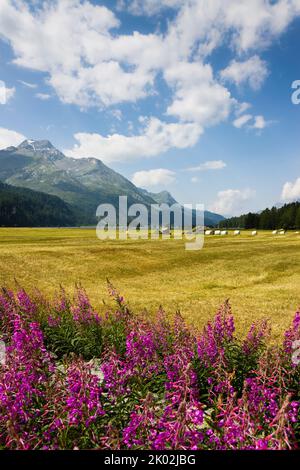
260,275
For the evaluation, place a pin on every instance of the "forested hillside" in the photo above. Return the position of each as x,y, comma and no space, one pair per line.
287,217
21,207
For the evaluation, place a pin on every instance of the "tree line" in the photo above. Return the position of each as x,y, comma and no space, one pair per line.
21,207
285,217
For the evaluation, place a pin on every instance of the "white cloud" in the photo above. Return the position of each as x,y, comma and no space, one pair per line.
27,84
105,68
102,85
155,138
253,71
198,97
43,96
6,93
147,7
68,31
210,165
242,121
260,123
202,26
291,191
232,201
251,122
150,178
258,22
89,63
59,26
10,138
194,179
241,108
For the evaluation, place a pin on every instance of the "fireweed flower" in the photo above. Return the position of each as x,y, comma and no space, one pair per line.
23,381
180,426
115,294
61,302
53,321
141,350
257,334
292,334
164,386
262,418
83,311
141,429
75,407
8,311
162,331
174,423
215,336
116,375
83,394
25,303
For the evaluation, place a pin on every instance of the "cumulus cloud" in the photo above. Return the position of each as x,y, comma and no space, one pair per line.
258,22
155,138
86,62
201,26
150,178
89,63
210,165
198,97
10,138
102,85
253,71
232,201
291,191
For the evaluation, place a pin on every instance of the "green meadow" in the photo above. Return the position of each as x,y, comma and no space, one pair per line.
260,275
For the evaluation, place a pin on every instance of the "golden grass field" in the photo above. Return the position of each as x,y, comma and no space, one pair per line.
260,275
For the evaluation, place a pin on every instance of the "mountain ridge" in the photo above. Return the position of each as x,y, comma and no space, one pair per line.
83,183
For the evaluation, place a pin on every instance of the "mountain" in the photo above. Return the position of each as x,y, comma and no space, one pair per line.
83,183
210,218
21,207
164,197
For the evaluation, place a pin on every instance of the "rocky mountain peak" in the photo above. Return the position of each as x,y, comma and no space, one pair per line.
42,147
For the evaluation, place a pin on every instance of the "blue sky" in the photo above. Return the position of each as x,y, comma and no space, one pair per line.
172,94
